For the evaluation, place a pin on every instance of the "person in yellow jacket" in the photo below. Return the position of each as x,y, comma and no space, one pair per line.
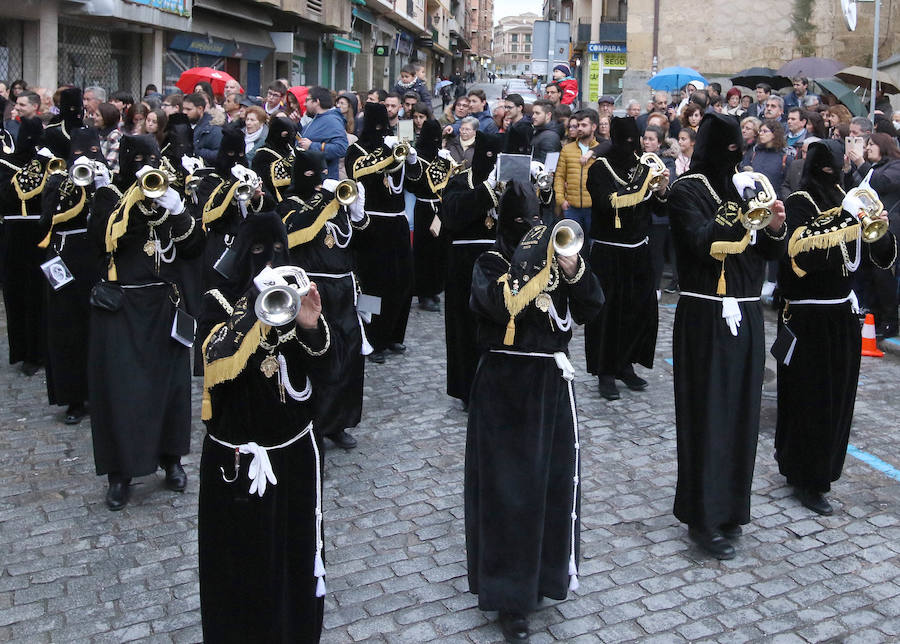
575,160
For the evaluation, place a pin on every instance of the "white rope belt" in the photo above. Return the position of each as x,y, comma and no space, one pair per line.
143,285
22,217
402,213
66,233
431,201
731,312
260,472
850,297
645,240
331,275
462,242
568,373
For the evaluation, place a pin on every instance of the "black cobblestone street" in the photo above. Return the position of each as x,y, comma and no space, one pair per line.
395,549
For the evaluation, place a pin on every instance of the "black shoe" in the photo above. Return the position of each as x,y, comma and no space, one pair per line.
731,530
632,380
74,414
29,368
117,494
343,440
514,626
176,479
377,357
815,501
431,304
671,287
713,543
397,347
607,387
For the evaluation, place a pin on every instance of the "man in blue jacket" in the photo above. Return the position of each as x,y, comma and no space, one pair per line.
327,132
207,137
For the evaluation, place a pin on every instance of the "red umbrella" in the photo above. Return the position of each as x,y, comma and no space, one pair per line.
215,77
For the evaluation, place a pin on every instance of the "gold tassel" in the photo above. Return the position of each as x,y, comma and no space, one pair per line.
797,270
111,273
510,335
618,221
305,234
719,249
63,217
721,288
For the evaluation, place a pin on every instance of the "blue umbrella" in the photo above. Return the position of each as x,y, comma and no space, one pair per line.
672,78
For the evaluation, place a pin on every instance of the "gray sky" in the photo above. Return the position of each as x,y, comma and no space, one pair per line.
503,8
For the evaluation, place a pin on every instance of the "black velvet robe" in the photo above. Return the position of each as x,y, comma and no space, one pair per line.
138,376
429,252
471,230
23,283
817,390
522,542
339,403
68,309
257,554
718,376
384,255
625,331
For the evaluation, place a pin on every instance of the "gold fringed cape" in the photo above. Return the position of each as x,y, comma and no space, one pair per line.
212,212
517,298
64,216
829,229
298,236
631,192
117,225
29,182
372,162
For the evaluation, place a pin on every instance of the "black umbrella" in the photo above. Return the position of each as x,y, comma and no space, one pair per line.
812,67
753,76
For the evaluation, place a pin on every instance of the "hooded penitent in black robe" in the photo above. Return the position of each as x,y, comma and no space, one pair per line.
262,574
468,214
319,233
522,446
138,376
23,284
625,331
64,221
429,251
274,160
817,389
383,251
718,376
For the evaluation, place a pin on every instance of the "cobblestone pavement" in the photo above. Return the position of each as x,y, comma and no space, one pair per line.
73,571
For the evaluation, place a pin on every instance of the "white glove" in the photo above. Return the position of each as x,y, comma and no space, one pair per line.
492,178
140,173
536,168
268,277
102,176
391,141
330,185
742,181
191,164
731,312
358,207
245,174
412,157
171,201
445,154
45,152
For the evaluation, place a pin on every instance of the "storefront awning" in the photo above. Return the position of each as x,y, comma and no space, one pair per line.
346,44
365,15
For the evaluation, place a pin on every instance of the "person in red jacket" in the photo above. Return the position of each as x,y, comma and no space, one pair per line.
568,86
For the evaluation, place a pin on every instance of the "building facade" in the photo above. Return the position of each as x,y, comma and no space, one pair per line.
480,30
512,45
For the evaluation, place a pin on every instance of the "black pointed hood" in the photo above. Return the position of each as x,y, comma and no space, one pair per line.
625,138
518,202
232,150
717,152
71,107
310,170
429,141
822,185
375,126
487,146
282,133
134,153
518,138
265,230
85,142
179,139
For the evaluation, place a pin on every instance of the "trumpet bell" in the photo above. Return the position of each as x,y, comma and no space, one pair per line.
400,152
868,208
82,174
759,207
346,192
873,229
154,184
277,305
56,166
568,237
244,192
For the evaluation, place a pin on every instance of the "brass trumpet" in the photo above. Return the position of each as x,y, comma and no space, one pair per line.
568,237
759,205
154,184
657,168
867,207
82,173
346,192
400,152
281,288
248,182
56,166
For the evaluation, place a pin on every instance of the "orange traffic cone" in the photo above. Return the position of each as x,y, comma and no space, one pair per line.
868,338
